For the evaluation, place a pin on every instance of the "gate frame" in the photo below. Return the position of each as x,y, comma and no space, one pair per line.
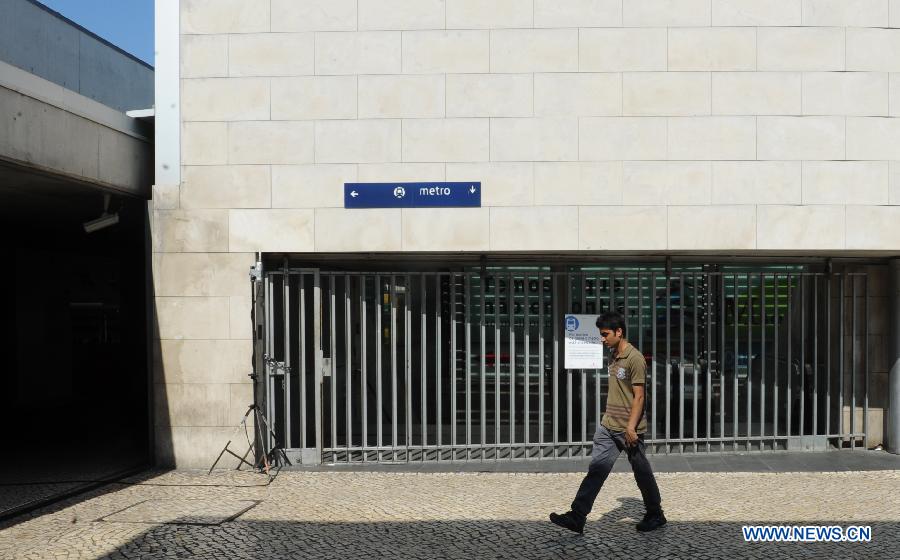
314,455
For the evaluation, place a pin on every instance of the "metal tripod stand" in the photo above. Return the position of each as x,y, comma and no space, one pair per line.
265,457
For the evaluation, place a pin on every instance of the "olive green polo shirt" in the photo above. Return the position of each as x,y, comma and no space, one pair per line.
625,370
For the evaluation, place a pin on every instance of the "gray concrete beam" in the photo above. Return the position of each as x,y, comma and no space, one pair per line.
55,130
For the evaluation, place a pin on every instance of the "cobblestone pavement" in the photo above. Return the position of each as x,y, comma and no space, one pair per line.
185,514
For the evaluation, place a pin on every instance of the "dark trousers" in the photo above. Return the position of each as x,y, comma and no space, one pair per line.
607,447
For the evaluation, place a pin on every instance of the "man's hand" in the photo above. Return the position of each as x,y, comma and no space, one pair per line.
631,437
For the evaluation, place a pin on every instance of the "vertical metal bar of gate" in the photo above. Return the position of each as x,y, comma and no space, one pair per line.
363,359
452,360
510,307
270,358
303,416
286,306
317,363
723,303
468,369
583,372
393,342
541,332
815,358
853,364
555,385
332,346
681,310
526,402
777,342
865,354
598,373
423,359
438,333
497,359
749,360
654,357
407,360
348,366
695,316
483,368
828,305
668,391
762,373
708,303
567,307
379,338
736,387
841,361
790,363
802,390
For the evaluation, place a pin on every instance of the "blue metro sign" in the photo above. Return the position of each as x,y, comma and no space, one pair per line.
412,195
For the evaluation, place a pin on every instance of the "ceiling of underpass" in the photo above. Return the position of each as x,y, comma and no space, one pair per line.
28,196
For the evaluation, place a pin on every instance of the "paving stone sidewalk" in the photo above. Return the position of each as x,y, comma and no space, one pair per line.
186,514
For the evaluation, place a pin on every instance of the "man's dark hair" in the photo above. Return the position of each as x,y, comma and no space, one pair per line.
612,320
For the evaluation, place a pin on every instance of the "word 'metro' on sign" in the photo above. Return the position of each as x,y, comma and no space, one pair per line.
412,195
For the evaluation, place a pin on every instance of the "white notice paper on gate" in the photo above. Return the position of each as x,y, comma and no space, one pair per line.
583,347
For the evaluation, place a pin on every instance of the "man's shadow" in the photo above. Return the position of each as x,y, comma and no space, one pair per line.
628,508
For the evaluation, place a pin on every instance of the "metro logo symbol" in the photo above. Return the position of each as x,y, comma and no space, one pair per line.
412,195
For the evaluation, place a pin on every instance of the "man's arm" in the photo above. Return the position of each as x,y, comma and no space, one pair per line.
637,408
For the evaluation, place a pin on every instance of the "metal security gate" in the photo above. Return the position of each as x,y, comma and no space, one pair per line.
467,366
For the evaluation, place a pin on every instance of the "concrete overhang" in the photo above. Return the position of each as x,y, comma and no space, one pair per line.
58,132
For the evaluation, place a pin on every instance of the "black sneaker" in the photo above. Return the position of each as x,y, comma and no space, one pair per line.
651,521
568,521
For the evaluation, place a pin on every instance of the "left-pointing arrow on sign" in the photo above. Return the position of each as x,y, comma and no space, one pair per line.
354,194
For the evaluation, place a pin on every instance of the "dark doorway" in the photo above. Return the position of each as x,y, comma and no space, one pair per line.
73,337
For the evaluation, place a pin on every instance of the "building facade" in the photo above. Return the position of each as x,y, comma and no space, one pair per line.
730,152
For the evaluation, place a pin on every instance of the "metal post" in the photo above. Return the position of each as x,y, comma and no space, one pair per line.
790,363
317,363
423,359
762,373
893,413
681,308
393,351
379,338
363,343
437,362
468,370
483,368
736,387
749,383
332,352
569,404
854,343
510,307
407,359
527,366
815,358
498,346
348,364
452,360
303,422
584,371
555,384
286,319
777,341
653,357
541,388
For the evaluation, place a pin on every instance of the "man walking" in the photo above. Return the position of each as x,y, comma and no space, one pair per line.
622,427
